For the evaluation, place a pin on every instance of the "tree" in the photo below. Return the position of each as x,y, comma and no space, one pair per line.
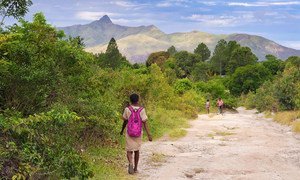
187,61
13,8
295,61
201,71
172,50
248,78
273,64
203,50
241,56
219,61
113,58
158,58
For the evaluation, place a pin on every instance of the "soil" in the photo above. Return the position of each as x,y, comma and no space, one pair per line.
242,145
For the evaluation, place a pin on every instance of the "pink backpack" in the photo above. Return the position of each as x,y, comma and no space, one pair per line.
134,126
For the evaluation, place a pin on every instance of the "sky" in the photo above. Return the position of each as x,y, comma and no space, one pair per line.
277,20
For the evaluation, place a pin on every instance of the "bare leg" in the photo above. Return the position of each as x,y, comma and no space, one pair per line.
136,159
129,156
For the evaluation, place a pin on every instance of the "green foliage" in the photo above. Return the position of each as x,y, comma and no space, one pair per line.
186,61
42,144
273,64
201,71
287,91
282,93
112,57
172,50
38,63
182,85
13,8
215,88
218,60
264,99
248,78
158,58
241,56
294,61
202,50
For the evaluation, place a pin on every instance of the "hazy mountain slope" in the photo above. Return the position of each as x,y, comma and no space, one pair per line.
136,43
101,31
135,47
262,46
190,40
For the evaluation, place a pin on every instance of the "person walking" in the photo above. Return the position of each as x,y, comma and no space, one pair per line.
220,104
137,118
207,105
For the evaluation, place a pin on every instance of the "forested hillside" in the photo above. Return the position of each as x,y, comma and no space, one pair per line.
60,106
136,43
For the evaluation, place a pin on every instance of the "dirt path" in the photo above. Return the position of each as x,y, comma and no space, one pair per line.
234,146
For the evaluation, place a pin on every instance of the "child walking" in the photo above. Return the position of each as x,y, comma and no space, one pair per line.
220,105
136,116
207,105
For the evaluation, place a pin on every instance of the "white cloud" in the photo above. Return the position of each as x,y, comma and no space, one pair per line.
263,3
121,21
129,4
212,20
125,4
169,3
164,4
91,15
208,3
224,20
291,44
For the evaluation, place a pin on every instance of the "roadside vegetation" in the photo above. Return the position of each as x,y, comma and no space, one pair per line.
60,107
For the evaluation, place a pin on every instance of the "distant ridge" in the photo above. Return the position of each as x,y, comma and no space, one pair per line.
136,43
101,31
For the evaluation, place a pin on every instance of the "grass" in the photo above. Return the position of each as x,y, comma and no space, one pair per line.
296,126
107,162
177,133
224,133
286,117
211,135
289,118
158,158
268,114
164,121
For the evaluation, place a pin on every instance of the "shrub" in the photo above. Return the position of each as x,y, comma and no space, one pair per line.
182,85
42,145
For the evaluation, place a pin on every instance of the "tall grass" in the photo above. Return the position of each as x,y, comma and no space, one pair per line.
286,117
289,118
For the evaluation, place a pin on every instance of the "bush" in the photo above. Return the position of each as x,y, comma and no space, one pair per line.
248,78
182,85
42,145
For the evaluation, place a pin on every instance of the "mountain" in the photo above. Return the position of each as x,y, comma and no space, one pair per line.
102,30
136,43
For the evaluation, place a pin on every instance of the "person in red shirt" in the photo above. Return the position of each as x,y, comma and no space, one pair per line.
220,104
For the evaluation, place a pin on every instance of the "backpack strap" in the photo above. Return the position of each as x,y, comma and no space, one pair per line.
130,108
140,109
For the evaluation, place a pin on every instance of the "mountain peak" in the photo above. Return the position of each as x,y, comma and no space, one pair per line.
105,19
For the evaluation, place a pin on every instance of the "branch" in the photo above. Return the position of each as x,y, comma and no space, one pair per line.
4,16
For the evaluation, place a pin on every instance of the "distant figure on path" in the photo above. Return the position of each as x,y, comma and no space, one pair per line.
207,105
220,104
136,116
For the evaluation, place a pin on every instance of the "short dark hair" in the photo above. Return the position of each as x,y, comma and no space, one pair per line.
134,98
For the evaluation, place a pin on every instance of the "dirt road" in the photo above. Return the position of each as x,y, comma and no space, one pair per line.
243,145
